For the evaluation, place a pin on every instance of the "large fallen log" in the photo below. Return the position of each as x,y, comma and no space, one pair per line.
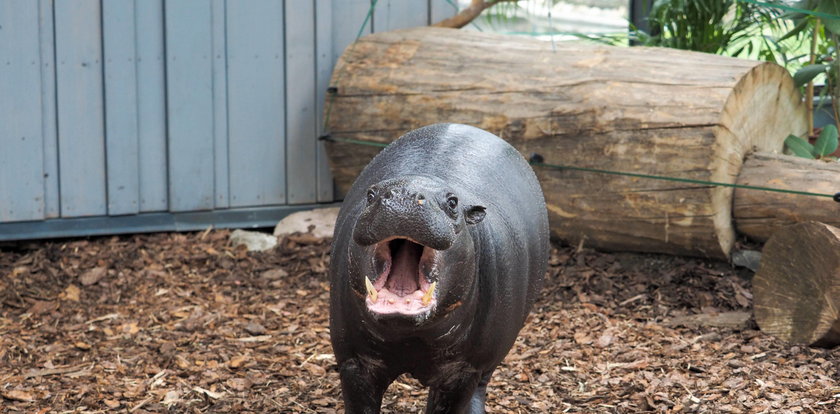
759,214
796,291
642,110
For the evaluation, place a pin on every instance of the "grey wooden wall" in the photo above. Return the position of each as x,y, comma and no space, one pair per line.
149,115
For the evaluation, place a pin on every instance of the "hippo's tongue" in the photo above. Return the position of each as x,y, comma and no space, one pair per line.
405,256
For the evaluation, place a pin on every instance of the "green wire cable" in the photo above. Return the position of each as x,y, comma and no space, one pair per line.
682,180
534,161
367,18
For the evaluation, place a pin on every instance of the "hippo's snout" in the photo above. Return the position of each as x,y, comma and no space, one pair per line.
400,200
405,208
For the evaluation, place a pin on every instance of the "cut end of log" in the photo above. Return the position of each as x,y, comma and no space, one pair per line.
797,288
763,108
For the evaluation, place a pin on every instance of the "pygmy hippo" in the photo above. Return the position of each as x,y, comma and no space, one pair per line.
439,252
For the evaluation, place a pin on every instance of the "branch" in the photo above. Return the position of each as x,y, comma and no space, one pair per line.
464,17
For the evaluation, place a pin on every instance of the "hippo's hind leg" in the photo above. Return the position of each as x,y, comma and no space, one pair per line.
362,387
459,394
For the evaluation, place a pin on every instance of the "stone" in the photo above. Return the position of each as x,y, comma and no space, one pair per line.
747,258
255,328
274,274
253,240
320,222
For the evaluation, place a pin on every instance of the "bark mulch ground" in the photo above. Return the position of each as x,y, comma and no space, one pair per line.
187,323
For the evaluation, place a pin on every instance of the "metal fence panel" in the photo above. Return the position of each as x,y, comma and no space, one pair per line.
21,152
399,14
81,123
323,71
121,141
220,103
151,106
256,107
148,115
189,99
301,149
49,121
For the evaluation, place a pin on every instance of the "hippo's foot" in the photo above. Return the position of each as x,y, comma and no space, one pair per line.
463,394
362,387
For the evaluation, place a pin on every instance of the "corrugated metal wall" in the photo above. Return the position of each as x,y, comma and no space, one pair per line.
147,115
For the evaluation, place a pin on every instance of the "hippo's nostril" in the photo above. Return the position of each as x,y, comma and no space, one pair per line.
389,194
421,199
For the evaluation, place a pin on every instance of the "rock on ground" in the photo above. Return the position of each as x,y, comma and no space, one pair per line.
254,241
320,220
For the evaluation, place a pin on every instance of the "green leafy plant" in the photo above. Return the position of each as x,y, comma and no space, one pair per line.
824,55
727,27
711,26
825,145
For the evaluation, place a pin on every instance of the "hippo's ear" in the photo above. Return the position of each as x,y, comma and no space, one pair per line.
474,214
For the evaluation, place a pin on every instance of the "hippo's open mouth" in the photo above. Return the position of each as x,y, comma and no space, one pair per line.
403,284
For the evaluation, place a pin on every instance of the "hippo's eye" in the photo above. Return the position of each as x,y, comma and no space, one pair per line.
452,202
371,195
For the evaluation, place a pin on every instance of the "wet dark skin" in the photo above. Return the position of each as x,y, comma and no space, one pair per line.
450,220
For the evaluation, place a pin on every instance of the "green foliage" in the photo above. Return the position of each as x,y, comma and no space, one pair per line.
823,33
831,7
808,73
827,141
713,26
799,147
826,144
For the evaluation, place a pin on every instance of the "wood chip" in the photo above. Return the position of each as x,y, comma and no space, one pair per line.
34,373
238,361
261,338
254,328
72,293
585,348
211,394
18,395
733,320
92,276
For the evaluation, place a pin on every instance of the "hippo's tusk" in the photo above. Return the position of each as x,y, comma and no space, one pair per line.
427,297
371,290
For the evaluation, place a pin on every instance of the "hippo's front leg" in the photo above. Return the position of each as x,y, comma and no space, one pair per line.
362,387
477,402
457,395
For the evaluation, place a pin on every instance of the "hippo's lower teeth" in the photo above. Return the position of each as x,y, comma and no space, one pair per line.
371,290
427,297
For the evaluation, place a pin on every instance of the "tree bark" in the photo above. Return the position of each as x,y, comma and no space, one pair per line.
643,110
759,214
797,288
